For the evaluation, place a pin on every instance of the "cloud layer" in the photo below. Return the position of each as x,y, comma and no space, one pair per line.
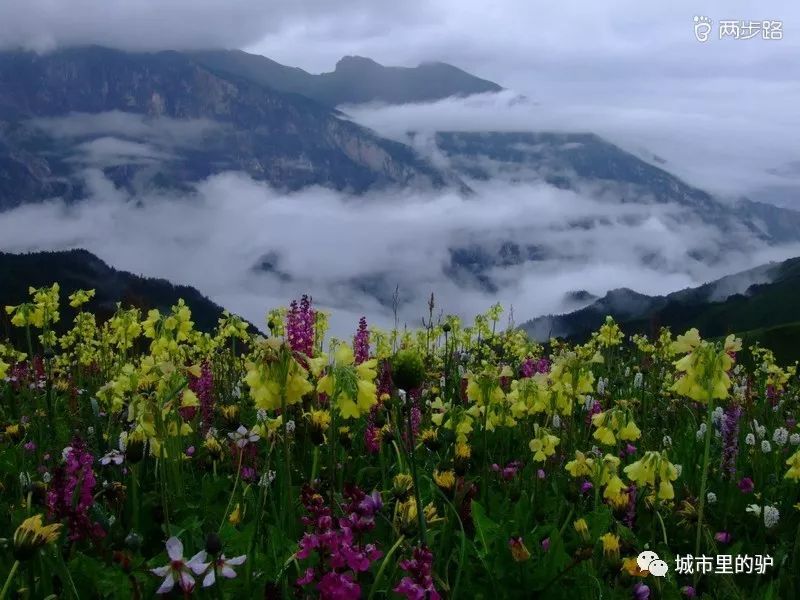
251,248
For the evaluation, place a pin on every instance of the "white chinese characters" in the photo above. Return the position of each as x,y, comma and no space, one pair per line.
723,564
738,29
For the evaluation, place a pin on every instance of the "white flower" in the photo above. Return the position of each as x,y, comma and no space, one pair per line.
667,441
601,386
678,469
700,434
179,570
711,497
402,395
114,456
261,415
223,566
66,452
716,416
442,381
771,516
589,402
750,439
754,509
241,437
766,447
780,436
266,479
638,379
627,371
123,441
46,477
290,426
794,439
556,421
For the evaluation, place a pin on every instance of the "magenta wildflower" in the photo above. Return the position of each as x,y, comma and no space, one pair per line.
723,537
418,584
71,493
532,366
746,485
361,342
586,486
300,326
540,474
689,591
630,512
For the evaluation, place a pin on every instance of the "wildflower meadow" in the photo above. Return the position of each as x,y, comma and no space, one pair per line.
141,457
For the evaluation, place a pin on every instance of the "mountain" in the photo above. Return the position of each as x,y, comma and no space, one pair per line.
355,79
584,161
753,302
164,120
79,269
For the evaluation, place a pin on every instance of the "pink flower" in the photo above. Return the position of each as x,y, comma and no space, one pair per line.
418,585
179,570
361,342
338,586
723,537
746,485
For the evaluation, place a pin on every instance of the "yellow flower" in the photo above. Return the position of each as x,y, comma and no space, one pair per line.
582,529
581,466
654,470
236,515
631,567
32,534
616,492
402,485
610,546
543,444
351,387
80,297
444,479
519,553
794,467
463,450
267,380
630,432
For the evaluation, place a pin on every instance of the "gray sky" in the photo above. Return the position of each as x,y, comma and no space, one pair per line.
722,113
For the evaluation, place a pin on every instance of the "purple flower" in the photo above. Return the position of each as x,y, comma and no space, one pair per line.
71,493
586,486
746,485
300,322
531,367
723,537
361,342
540,474
641,591
338,586
546,544
418,584
689,591
730,438
30,447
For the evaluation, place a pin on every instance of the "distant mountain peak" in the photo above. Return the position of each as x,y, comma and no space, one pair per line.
353,62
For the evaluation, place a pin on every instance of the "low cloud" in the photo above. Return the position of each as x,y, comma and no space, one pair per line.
250,247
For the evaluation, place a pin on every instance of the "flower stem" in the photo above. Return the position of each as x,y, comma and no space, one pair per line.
385,562
10,577
703,482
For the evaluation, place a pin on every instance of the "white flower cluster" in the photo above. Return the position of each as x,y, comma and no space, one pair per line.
780,436
701,433
711,498
638,379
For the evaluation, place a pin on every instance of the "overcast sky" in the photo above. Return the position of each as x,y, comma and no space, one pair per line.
722,113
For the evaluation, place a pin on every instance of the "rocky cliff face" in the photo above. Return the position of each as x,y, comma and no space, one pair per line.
167,120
